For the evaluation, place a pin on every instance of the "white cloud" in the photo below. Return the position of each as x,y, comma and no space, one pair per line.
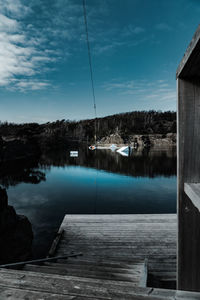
14,8
31,42
23,51
14,58
8,24
34,85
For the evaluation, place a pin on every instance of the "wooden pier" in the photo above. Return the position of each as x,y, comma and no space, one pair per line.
119,254
128,239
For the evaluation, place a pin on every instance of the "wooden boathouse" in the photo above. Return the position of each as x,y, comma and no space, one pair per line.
129,256
188,80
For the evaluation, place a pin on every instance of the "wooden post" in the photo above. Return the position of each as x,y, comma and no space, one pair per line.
188,79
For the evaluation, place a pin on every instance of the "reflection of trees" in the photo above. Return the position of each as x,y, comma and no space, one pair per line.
12,173
147,163
138,164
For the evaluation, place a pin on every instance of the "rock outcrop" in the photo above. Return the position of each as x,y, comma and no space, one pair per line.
112,139
155,140
15,233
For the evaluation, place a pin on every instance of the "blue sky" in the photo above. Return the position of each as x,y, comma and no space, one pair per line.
136,47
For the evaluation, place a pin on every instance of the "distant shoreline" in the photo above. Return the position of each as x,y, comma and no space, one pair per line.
154,140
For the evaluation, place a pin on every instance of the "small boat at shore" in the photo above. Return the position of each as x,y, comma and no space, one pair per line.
92,147
113,147
125,151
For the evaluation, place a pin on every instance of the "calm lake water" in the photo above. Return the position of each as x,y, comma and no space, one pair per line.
101,181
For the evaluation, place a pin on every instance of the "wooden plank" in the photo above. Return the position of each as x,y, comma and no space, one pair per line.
189,65
143,279
192,190
95,262
149,218
133,277
188,172
122,238
66,285
20,294
77,287
99,266
55,243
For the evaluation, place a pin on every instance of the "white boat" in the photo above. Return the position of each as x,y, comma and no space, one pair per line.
113,147
125,150
92,147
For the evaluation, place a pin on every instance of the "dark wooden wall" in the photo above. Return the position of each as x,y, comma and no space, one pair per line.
188,172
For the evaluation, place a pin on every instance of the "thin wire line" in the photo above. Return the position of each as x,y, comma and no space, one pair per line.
89,56
91,70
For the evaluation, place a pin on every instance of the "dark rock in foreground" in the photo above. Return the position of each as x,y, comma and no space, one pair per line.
15,233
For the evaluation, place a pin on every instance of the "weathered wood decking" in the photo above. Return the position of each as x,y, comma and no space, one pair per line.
113,263
188,138
124,238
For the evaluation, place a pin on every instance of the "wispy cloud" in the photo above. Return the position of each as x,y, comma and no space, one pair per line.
114,38
163,27
15,9
7,24
36,34
28,45
132,30
159,90
30,84
31,43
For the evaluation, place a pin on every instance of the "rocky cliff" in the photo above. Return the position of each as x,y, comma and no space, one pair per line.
155,140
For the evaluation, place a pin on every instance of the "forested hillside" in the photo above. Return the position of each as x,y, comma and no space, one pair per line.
125,124
22,140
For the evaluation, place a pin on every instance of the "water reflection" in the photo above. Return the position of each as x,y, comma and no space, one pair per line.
27,171
144,163
99,181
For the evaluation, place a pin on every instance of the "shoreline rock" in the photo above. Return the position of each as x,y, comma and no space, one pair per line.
156,140
16,233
